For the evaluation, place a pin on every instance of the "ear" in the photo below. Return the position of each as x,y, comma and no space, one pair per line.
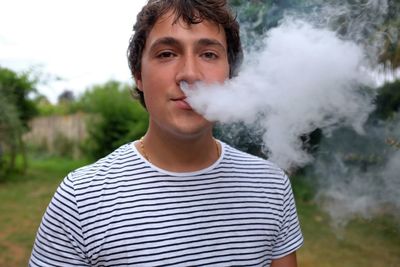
138,81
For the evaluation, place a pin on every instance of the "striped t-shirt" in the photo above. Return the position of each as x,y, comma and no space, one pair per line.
124,211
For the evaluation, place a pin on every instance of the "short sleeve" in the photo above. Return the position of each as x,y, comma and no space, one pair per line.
59,240
289,238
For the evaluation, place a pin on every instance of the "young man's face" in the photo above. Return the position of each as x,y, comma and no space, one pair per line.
175,53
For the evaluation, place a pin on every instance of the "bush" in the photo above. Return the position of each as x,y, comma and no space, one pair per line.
120,118
388,100
15,110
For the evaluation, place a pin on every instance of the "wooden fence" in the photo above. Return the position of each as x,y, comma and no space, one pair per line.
58,134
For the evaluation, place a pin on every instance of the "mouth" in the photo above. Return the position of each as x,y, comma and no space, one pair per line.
181,103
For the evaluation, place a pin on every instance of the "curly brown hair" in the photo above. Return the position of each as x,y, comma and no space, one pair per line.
191,12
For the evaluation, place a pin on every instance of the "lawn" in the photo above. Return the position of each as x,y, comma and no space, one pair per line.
24,197
23,200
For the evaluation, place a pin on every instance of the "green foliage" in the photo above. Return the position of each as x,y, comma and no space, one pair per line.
67,104
353,19
24,198
388,100
10,134
66,96
45,108
303,187
119,119
257,16
391,52
356,20
15,111
239,135
17,88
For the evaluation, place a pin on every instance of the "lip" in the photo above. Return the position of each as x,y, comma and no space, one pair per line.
181,103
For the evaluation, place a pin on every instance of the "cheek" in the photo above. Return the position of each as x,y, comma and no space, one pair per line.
216,73
222,74
152,87
150,81
155,74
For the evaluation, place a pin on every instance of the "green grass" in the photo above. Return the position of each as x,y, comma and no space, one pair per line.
366,243
361,243
23,200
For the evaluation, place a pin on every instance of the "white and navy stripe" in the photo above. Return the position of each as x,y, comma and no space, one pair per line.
123,211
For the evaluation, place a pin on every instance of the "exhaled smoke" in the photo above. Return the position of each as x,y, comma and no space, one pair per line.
305,78
316,75
360,175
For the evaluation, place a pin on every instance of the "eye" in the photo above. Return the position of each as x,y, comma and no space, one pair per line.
209,55
165,55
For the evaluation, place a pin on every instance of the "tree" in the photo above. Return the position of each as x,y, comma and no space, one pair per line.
258,16
15,111
17,87
388,101
66,96
391,28
372,24
116,119
10,134
375,24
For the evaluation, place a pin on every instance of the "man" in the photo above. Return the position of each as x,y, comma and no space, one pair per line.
176,197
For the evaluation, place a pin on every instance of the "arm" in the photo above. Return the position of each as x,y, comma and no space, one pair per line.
286,261
59,240
289,237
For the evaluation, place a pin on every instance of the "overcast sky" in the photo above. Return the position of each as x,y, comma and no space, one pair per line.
83,42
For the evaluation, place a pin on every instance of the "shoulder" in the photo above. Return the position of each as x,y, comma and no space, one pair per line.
110,167
243,159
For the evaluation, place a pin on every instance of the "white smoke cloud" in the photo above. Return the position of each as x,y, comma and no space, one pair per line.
318,74
360,175
304,78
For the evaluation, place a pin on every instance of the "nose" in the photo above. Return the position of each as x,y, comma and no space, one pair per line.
189,70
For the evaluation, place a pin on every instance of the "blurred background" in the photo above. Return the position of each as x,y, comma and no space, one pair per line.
65,101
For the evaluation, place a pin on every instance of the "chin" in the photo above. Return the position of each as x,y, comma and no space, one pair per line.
194,131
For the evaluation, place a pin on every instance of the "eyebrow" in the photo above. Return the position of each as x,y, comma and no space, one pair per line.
207,41
174,42
165,41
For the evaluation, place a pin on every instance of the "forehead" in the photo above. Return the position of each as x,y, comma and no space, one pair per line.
168,26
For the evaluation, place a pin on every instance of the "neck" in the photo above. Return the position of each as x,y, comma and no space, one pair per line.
179,154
